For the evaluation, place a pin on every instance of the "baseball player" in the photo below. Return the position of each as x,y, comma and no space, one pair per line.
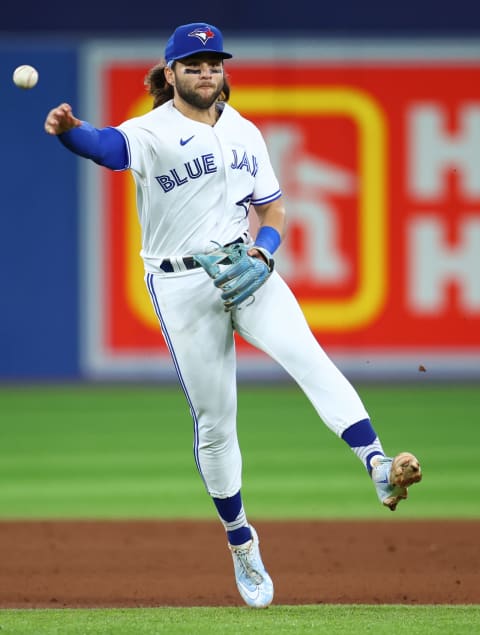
200,169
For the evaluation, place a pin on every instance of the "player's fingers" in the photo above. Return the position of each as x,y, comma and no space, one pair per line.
52,122
65,108
60,119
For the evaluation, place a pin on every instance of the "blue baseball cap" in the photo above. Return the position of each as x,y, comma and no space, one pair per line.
197,37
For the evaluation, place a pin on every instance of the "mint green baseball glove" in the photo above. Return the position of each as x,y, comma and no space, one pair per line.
236,273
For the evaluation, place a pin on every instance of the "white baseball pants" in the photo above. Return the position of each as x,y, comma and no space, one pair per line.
199,335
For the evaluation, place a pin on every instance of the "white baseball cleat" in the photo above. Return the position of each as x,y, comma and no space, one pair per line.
392,477
253,582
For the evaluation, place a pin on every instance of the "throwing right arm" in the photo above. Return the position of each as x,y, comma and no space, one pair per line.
106,146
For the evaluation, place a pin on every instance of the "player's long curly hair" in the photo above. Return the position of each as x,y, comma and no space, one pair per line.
162,91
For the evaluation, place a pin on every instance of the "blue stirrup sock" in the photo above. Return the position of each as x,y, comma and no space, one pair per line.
363,440
233,517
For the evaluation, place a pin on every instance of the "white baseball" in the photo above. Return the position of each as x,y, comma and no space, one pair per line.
25,76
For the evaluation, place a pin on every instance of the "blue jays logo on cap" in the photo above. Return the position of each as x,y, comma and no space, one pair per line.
203,34
189,39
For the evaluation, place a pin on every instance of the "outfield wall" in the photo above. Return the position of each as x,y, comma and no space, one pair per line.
377,145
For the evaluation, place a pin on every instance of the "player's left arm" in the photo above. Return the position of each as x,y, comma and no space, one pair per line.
271,230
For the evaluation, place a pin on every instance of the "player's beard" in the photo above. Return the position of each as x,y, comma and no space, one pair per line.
195,99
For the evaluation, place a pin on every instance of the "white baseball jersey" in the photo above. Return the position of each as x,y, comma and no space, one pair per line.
195,182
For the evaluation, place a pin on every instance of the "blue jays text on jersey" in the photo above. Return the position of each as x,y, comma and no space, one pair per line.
205,164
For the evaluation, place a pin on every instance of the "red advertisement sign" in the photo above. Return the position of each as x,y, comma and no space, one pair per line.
380,167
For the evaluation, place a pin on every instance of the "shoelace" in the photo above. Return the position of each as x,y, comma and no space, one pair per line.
247,566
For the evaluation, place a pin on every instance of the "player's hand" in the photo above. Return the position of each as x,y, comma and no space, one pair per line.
257,254
61,119
262,254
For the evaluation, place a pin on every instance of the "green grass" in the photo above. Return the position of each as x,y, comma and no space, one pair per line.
408,620
126,452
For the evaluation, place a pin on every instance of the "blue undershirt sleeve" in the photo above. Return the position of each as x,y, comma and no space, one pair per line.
106,146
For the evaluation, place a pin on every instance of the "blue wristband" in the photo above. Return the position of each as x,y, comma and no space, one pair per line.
268,238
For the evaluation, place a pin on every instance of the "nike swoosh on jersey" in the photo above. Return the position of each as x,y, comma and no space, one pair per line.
184,142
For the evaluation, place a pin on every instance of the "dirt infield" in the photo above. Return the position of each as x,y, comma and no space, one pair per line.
156,563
